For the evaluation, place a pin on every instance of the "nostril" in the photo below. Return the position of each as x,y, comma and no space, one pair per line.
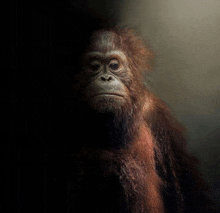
109,78
103,78
106,78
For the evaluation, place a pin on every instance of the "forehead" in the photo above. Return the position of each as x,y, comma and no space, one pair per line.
104,41
106,55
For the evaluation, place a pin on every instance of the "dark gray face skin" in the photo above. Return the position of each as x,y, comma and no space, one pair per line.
105,90
106,69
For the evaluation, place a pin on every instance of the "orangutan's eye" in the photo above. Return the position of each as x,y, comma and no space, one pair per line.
114,64
95,65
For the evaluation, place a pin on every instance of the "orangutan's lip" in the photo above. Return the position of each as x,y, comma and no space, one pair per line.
108,94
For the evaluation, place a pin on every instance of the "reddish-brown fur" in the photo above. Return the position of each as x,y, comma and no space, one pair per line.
155,171
146,180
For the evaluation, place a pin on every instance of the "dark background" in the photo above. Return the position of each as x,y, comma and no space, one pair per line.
42,42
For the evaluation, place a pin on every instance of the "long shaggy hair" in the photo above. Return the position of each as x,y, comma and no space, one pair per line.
149,160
